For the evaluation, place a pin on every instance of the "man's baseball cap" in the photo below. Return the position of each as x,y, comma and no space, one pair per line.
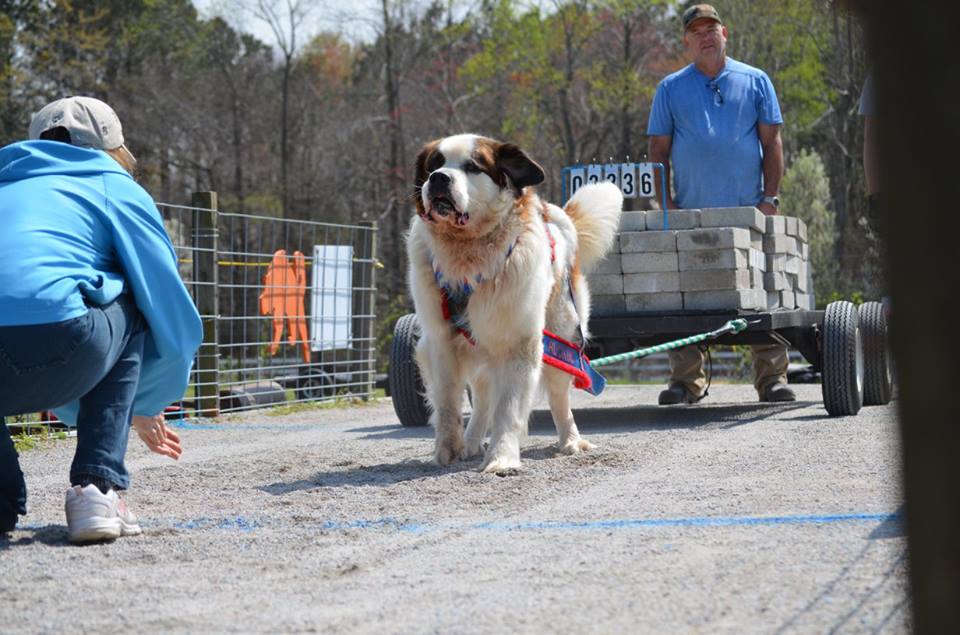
90,122
699,11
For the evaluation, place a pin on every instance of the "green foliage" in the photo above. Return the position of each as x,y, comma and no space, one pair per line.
805,192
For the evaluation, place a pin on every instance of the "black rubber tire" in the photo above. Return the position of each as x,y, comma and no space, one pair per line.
877,362
316,385
842,368
406,385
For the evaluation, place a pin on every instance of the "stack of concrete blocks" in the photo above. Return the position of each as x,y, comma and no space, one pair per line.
712,259
789,276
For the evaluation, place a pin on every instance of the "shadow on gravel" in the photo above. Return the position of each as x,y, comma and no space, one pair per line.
638,418
50,535
359,475
616,420
895,527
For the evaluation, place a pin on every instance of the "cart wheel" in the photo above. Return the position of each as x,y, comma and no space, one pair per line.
406,386
877,362
315,386
842,373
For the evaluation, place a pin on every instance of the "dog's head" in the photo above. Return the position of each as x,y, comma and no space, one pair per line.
466,181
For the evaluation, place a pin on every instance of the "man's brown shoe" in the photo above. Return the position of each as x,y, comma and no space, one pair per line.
778,391
676,393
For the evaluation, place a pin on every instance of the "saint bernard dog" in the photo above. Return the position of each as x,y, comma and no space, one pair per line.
491,266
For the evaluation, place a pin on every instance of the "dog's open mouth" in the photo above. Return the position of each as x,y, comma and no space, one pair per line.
444,207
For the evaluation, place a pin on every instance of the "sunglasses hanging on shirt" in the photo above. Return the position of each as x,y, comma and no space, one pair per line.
715,88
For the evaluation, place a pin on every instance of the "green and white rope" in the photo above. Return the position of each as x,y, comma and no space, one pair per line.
733,326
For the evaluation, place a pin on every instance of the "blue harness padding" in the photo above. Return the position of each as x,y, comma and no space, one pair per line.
566,356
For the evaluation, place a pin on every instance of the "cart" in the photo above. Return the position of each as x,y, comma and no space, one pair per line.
847,343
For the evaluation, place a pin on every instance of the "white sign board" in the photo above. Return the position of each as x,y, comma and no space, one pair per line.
594,173
645,186
611,172
331,315
578,177
628,180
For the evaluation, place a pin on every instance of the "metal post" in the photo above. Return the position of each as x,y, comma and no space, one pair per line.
368,253
207,298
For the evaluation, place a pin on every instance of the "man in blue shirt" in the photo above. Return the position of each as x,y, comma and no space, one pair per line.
95,322
715,124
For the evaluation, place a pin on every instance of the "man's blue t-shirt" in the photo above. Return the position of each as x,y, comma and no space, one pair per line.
715,156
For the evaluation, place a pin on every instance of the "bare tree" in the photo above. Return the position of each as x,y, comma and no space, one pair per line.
284,22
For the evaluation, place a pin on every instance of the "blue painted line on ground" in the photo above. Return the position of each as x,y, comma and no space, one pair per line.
243,524
594,525
187,425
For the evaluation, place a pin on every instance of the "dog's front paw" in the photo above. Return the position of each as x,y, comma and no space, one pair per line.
576,445
500,464
447,450
473,449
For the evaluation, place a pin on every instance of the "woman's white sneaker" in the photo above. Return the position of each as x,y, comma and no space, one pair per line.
93,516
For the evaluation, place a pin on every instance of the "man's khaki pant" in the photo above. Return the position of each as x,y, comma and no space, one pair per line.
769,366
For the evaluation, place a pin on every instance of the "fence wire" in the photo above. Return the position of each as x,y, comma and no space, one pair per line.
287,306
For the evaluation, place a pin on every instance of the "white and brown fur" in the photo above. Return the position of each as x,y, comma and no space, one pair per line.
475,198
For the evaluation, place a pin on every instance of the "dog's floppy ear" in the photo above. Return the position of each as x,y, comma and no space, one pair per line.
420,172
521,169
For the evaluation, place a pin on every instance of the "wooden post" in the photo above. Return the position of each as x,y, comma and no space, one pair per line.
207,296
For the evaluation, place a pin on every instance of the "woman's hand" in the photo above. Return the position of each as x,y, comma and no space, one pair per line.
159,438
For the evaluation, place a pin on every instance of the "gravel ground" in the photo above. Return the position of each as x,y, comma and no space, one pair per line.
724,517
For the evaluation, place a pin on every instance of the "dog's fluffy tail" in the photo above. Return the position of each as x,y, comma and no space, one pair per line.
595,211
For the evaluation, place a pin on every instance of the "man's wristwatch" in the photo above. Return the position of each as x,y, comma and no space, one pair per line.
773,200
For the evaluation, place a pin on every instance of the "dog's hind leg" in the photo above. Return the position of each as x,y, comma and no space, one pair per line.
443,378
479,418
558,386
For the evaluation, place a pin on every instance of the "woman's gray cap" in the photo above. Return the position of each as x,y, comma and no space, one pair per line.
90,122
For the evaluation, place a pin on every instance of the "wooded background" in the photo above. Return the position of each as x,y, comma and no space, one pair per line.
314,125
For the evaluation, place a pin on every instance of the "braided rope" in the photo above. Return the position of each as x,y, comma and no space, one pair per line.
733,326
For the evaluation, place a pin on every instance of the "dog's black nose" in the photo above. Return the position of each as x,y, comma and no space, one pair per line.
440,179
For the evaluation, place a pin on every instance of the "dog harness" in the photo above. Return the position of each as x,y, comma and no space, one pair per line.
557,352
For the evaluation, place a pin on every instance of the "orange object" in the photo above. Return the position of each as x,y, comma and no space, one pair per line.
284,288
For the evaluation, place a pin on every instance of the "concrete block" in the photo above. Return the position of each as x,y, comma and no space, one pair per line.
666,281
633,242
714,259
756,278
712,300
780,244
607,305
793,265
791,225
677,219
715,279
776,262
773,299
639,302
758,259
776,281
605,283
805,251
611,263
776,225
756,239
805,301
651,262
733,217
788,299
801,230
713,238
803,278
633,221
